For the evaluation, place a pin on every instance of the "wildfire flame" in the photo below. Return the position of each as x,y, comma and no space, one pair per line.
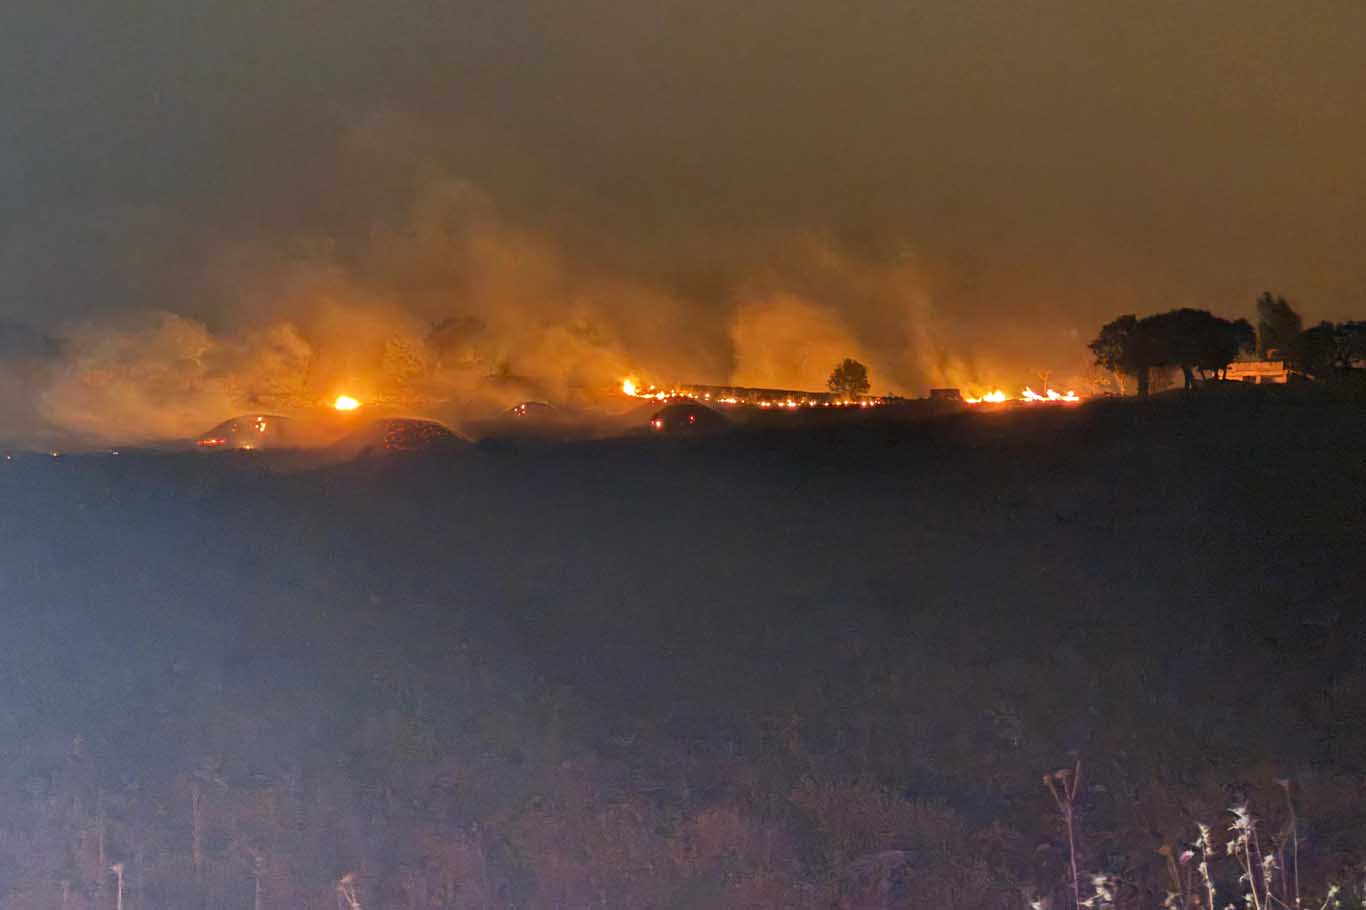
1049,395
993,397
345,403
631,388
1028,395
768,399
754,397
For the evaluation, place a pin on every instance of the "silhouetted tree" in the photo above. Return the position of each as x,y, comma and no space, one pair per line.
1222,342
1195,340
1329,347
1277,325
1123,349
850,379
1178,339
1351,344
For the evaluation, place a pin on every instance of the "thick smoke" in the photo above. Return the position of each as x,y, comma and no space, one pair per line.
420,279
691,191
159,375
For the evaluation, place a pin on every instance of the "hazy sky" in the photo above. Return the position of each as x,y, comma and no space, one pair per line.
1041,166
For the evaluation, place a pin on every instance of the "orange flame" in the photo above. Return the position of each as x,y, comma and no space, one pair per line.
345,403
633,388
1027,395
1049,395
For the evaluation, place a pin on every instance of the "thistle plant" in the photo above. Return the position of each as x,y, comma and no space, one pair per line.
1259,870
1269,879
1245,847
1205,845
1179,870
1284,784
1064,785
1102,893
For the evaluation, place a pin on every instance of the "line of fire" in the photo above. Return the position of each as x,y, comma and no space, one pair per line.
792,399
754,397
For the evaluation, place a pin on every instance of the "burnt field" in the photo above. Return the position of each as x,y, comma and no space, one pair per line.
778,667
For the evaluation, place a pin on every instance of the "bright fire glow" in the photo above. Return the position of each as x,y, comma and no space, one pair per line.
753,397
1027,395
345,403
1049,395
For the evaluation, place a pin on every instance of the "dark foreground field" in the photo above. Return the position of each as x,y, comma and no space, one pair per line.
807,669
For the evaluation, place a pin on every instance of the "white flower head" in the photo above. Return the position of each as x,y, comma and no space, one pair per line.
1104,888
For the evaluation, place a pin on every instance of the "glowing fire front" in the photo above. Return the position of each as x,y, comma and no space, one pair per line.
243,433
791,400
997,396
737,395
1049,395
346,403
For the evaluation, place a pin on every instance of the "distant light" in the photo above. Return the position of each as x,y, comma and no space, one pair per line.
345,403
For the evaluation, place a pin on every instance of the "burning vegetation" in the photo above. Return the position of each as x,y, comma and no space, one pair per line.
792,399
254,432
1027,395
723,396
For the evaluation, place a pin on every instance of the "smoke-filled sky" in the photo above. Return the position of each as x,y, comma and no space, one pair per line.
953,190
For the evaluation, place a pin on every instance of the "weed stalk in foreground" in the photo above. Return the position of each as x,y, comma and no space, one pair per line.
1064,785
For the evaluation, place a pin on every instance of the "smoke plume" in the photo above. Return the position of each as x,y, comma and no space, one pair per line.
440,275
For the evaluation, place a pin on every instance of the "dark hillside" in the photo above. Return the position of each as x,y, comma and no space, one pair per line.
733,671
